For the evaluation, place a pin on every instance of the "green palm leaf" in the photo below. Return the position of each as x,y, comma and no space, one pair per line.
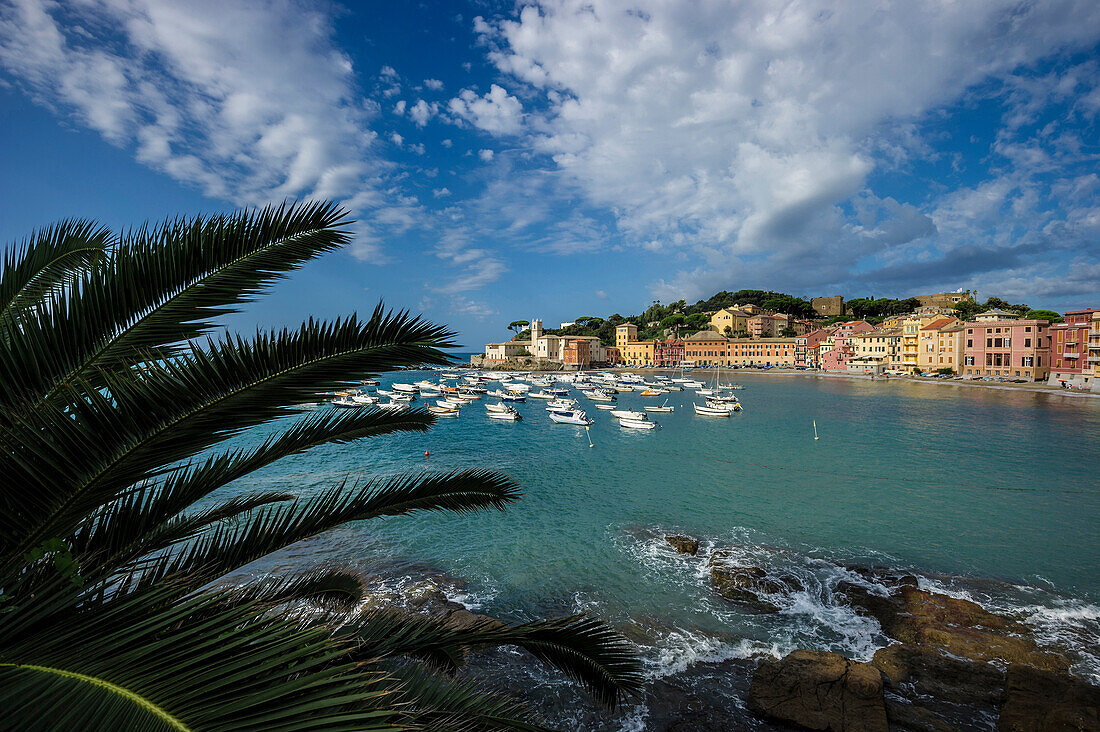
50,259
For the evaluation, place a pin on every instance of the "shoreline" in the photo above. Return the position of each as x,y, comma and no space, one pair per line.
1034,387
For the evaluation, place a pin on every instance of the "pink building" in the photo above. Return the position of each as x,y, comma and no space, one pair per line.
835,358
1011,349
850,327
807,347
1069,352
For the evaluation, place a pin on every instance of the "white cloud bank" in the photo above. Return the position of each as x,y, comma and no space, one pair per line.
248,101
741,130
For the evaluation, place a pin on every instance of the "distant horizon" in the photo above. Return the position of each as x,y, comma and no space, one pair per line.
496,171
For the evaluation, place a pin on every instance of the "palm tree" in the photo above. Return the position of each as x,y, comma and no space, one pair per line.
116,419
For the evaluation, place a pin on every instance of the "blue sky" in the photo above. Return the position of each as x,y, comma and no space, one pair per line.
565,158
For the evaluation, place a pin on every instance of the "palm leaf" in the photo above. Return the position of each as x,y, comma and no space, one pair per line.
154,661
50,259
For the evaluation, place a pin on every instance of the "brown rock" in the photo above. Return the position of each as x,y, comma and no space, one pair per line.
819,690
1043,701
684,544
932,673
746,585
959,627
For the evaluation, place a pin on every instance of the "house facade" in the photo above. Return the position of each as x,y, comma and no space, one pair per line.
1007,349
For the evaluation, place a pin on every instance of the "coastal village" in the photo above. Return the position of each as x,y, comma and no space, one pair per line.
933,339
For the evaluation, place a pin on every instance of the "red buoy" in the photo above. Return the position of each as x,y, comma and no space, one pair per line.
425,453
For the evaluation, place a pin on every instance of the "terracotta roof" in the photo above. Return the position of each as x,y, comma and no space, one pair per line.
937,324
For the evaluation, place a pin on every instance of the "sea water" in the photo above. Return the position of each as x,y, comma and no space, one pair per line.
988,494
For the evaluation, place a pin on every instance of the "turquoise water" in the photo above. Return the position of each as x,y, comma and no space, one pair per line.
984,493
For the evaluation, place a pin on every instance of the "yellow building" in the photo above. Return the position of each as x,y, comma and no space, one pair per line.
940,345
624,334
732,318
633,351
637,353
911,340
881,343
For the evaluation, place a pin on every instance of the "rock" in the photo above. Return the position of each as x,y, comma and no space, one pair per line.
684,544
820,690
932,673
959,627
1037,700
424,593
747,584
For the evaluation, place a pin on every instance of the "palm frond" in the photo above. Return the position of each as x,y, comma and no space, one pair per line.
584,648
164,286
48,260
147,520
163,413
154,661
228,548
339,590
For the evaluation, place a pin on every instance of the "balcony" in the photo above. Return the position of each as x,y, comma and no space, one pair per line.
1094,359
1071,355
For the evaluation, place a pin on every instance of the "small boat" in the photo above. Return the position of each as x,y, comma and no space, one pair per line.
347,403
573,416
605,406
540,395
406,388
521,388
710,411
498,408
558,391
363,399
449,404
509,397
510,416
402,397
370,382
663,408
705,392
627,414
559,405
430,391
653,392
637,424
672,387
734,406
385,393
443,411
392,406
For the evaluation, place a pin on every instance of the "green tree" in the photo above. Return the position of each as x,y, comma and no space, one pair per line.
517,326
1044,315
116,427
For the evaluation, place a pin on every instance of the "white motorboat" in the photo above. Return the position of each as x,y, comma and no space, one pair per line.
605,406
370,382
449,404
693,384
559,391
521,388
627,414
734,406
540,395
443,411
392,406
705,392
402,397
572,416
637,424
406,388
662,409
672,387
510,416
624,387
710,411
509,397
364,399
498,408
425,383
558,405
347,403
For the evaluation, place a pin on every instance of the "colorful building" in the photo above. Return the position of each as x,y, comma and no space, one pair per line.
705,348
576,353
875,351
668,353
939,345
729,321
508,349
1007,349
1069,349
761,352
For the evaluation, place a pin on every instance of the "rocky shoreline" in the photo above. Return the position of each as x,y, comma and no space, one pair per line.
954,665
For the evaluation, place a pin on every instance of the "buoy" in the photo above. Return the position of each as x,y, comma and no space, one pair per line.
426,453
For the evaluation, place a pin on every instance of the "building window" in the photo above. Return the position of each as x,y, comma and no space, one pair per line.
1027,343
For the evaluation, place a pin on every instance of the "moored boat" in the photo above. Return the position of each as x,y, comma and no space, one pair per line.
627,414
637,424
573,416
663,408
443,411
710,411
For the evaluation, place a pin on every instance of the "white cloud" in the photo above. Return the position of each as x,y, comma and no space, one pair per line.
447,143
399,108
485,155
421,112
743,132
601,294
496,111
434,84
396,139
441,192
248,102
